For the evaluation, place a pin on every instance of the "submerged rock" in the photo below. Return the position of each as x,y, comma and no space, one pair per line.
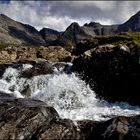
112,71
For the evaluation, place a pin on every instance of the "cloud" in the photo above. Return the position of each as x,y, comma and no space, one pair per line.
60,14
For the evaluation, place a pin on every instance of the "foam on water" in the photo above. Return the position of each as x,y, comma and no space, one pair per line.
68,94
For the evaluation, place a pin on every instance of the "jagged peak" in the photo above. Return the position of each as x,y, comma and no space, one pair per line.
73,25
48,29
92,24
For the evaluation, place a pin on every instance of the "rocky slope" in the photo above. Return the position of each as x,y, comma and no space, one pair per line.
132,25
15,32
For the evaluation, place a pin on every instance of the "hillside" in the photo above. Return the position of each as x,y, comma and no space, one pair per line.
17,33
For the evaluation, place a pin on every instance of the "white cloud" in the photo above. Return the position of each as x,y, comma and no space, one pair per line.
60,14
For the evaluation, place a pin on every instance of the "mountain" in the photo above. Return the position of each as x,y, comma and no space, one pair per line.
49,35
99,29
74,33
132,25
15,32
12,31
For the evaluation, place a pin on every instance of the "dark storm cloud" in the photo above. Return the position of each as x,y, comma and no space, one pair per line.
59,14
4,1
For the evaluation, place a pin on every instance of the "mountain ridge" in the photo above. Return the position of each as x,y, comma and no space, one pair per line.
12,31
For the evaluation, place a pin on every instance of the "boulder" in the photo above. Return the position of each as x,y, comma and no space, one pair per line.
112,71
39,68
119,128
32,119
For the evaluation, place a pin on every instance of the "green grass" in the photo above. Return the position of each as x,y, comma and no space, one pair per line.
130,39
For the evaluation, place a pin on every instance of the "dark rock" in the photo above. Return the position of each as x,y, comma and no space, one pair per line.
59,129
119,128
20,118
26,91
38,69
32,119
3,67
63,67
112,71
87,128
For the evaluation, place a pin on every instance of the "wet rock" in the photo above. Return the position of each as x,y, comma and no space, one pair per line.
112,71
26,91
20,118
86,128
59,129
119,128
39,68
63,67
3,67
32,119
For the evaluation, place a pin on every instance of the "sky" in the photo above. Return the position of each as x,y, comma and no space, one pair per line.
59,15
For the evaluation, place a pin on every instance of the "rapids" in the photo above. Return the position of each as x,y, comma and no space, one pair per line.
66,92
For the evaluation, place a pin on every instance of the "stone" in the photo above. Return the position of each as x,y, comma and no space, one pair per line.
32,119
112,72
119,128
39,68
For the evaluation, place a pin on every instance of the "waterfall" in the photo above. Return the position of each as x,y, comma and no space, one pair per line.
66,92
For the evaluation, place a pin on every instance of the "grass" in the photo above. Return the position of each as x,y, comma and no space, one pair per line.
130,39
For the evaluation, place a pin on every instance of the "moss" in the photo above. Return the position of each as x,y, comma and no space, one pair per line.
69,47
130,39
2,46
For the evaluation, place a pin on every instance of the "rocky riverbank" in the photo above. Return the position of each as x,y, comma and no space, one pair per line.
22,53
33,119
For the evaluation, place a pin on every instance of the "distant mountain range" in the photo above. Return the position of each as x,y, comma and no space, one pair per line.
15,32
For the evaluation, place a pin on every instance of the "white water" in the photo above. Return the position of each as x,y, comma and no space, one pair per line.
69,95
